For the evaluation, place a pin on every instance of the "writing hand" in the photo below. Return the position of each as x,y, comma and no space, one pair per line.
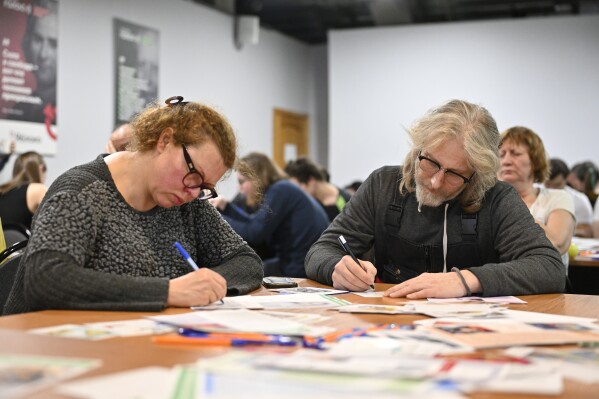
198,288
348,275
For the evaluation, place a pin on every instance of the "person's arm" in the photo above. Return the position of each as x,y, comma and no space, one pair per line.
35,195
356,223
257,227
528,262
55,276
559,229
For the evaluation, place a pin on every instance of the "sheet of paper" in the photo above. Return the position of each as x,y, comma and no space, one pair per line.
461,310
23,375
496,333
77,331
241,320
309,290
131,328
370,294
295,301
380,309
146,383
493,299
523,379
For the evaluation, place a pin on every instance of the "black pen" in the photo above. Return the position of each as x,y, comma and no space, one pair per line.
348,251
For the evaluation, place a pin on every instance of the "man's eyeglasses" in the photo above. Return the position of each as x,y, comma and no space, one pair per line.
194,179
431,168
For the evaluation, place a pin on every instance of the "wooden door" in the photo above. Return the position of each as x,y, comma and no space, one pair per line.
290,136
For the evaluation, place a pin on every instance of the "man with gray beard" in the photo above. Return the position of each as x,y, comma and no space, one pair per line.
441,225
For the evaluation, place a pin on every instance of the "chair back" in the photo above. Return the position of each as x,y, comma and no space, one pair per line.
14,233
8,272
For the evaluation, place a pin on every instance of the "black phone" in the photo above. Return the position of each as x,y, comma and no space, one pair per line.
278,282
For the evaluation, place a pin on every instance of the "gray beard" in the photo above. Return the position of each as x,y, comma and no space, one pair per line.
427,199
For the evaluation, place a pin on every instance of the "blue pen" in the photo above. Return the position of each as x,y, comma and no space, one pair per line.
184,253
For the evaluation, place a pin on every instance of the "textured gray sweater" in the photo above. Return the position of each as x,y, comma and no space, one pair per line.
91,250
517,258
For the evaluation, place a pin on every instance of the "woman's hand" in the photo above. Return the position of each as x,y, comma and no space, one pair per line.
198,288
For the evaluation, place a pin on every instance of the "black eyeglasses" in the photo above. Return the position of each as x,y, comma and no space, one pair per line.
194,179
431,167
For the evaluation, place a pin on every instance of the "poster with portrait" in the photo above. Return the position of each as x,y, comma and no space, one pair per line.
136,68
28,108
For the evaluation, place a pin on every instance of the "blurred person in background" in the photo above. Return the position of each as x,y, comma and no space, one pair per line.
310,178
119,138
4,157
523,163
584,178
582,206
288,220
22,195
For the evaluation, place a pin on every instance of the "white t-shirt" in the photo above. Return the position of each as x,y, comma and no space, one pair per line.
548,201
582,206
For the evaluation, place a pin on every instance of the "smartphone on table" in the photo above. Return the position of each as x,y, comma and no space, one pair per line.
278,282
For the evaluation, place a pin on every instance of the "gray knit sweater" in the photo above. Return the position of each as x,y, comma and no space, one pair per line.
91,250
518,259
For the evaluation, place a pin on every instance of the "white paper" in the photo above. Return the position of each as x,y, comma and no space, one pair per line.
146,383
295,301
241,320
492,299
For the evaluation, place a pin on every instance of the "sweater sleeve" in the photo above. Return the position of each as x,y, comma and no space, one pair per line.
529,264
55,275
54,280
356,223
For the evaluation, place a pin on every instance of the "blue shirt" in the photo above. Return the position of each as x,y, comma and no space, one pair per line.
289,221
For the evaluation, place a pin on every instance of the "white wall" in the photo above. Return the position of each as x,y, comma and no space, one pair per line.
198,60
540,73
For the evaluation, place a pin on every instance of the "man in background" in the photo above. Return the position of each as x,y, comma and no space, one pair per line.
119,139
312,180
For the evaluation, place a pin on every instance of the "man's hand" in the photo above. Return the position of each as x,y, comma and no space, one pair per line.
348,275
199,288
435,285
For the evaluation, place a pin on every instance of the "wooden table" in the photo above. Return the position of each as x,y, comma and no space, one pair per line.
120,354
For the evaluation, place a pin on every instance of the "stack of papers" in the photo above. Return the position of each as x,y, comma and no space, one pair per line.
241,320
295,301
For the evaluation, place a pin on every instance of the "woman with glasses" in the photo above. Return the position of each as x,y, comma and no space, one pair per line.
21,196
524,163
104,236
442,225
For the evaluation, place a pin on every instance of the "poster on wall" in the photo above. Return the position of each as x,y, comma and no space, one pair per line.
28,59
136,68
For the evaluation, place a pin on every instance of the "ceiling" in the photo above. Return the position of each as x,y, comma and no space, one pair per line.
309,20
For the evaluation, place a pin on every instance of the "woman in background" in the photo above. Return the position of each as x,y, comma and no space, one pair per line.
23,194
523,163
103,237
584,177
289,221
